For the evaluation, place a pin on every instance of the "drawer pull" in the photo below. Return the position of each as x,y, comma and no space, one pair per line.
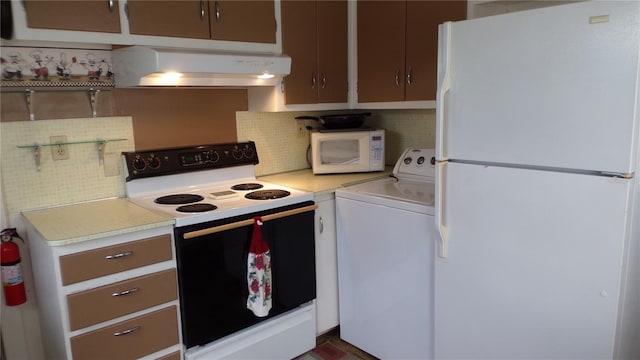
126,292
126,332
118,256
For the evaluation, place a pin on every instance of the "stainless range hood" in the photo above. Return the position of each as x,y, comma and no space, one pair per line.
146,66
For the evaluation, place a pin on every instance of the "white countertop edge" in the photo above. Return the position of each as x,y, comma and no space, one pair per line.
102,235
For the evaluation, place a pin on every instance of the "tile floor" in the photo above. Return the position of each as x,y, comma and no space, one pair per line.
331,347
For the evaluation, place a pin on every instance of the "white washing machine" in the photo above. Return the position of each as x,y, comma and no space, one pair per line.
386,246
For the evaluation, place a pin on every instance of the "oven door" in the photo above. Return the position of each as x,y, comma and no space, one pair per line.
212,270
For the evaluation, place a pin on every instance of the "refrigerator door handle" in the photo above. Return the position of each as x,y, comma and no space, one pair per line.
440,225
444,84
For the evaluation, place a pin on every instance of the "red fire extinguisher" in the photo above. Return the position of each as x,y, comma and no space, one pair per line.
14,292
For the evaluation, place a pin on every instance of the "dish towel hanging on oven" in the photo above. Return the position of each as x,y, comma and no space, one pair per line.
259,272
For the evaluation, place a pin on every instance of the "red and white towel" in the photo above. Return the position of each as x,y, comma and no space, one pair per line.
259,272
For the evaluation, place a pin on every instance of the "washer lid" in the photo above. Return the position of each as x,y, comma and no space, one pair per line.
406,194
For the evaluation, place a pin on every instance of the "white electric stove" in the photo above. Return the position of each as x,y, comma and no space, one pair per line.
212,193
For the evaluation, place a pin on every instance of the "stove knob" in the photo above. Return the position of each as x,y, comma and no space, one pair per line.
139,164
211,156
421,160
249,153
237,153
154,162
408,160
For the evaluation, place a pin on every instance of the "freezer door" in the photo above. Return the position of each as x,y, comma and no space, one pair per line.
553,87
533,266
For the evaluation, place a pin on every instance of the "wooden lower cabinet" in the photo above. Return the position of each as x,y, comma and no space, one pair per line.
129,339
114,297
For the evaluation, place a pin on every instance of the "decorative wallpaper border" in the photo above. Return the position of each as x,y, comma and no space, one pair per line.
51,67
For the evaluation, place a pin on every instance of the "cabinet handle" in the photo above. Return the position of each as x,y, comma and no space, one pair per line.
127,332
202,13
118,256
217,7
110,5
126,292
409,76
398,78
313,80
321,225
324,81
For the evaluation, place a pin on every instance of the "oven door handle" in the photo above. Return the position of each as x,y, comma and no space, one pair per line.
237,224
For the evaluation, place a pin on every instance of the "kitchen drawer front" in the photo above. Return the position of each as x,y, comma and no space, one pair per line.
129,339
112,259
172,356
111,301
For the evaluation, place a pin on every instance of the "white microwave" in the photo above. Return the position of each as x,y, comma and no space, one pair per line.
347,151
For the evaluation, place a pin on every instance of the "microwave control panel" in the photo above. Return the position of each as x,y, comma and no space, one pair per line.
377,148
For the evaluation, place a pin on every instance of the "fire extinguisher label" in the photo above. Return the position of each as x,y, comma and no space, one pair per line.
11,275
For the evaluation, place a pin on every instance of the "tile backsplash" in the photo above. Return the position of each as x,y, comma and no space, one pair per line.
79,178
82,178
281,149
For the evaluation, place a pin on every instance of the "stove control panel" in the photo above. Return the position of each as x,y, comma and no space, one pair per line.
148,163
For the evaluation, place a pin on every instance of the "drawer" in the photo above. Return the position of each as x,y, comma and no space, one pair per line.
125,297
112,259
172,356
129,339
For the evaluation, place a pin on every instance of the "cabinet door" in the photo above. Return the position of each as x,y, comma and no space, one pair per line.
423,18
299,23
187,19
247,21
326,266
381,36
333,82
98,16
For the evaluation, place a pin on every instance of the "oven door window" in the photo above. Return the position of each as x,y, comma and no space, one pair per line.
340,152
212,271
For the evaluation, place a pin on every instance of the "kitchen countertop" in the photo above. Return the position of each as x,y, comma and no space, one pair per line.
322,183
64,225
70,224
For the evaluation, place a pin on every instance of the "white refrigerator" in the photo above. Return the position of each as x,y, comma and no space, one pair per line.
537,185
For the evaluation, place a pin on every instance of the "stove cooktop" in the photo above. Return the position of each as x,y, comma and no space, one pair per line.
218,201
203,183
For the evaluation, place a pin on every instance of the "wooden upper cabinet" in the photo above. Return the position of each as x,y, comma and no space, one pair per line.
315,36
333,51
423,18
299,41
96,16
246,21
381,36
398,48
188,19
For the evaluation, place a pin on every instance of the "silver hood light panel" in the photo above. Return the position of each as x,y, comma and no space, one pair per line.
137,66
